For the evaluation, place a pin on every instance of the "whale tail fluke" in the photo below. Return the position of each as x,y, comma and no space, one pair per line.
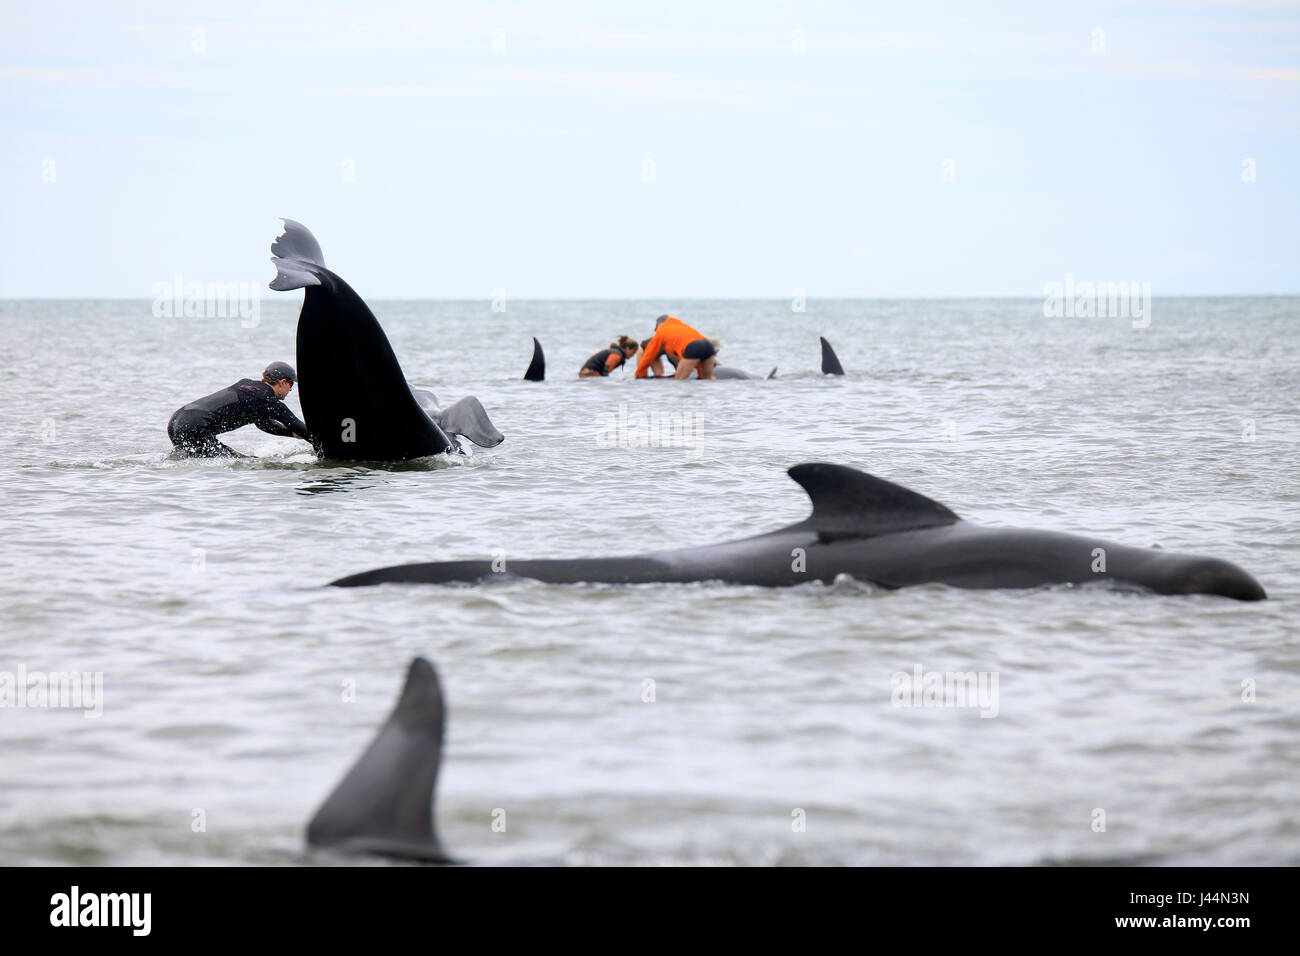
385,803
830,361
297,258
537,367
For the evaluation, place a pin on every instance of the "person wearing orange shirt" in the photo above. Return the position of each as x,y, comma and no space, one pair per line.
674,338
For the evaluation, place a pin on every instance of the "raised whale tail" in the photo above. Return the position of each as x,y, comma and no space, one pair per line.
385,803
537,367
297,258
830,361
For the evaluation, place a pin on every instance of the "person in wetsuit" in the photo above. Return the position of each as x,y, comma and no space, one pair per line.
194,428
606,360
685,347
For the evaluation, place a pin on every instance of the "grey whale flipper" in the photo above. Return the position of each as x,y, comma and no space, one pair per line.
830,361
466,417
875,531
536,371
384,804
355,399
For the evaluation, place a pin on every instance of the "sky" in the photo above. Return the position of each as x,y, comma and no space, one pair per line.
637,150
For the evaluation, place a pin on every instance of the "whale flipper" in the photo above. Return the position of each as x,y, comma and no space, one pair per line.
385,803
468,417
830,361
848,503
537,367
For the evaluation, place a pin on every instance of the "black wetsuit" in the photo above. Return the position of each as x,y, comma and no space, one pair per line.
194,428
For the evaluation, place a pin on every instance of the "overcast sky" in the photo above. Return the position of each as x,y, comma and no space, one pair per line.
632,150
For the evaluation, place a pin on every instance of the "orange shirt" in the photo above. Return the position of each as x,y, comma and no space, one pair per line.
671,337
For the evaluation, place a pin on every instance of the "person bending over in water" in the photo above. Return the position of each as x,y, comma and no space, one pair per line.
685,347
606,360
194,428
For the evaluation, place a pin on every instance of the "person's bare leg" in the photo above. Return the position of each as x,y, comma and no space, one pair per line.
706,367
685,367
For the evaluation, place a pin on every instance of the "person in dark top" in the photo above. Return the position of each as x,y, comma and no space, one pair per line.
194,428
606,360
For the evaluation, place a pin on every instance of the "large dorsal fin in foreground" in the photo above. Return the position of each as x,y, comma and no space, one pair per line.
385,803
848,503
537,367
297,258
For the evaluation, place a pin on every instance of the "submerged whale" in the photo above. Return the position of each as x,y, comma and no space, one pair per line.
384,804
355,400
728,371
874,531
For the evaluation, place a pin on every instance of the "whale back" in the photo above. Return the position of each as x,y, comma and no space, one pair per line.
848,503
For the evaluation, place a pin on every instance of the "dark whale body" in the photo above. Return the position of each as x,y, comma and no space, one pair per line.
355,399
874,531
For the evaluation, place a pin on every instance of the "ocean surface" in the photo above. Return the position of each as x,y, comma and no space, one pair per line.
237,689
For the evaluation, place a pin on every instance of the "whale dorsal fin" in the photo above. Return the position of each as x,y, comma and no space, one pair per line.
537,367
848,503
385,803
830,361
297,258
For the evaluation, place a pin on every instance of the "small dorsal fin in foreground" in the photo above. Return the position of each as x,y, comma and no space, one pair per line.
848,503
297,258
385,803
537,367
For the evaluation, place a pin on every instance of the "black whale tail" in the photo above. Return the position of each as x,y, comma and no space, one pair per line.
830,361
385,803
297,258
537,367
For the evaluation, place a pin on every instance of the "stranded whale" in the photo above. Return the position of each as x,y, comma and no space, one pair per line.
385,803
874,531
355,399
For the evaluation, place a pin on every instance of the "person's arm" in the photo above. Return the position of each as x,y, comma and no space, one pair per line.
281,421
613,361
649,354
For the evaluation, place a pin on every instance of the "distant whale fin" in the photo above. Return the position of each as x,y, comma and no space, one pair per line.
385,803
772,374
848,503
297,257
830,361
537,367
